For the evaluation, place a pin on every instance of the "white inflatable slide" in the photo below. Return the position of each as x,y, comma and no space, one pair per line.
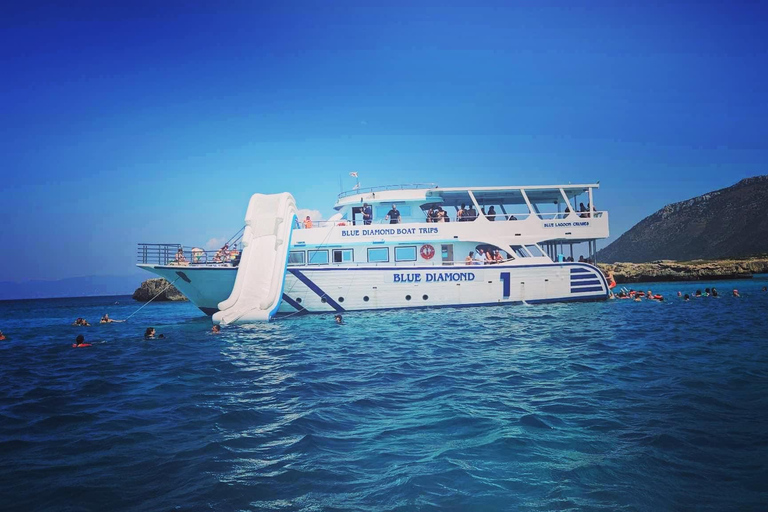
258,288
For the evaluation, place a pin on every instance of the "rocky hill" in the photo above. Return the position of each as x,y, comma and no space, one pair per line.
152,287
727,223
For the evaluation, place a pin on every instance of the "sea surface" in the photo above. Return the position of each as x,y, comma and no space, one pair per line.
615,405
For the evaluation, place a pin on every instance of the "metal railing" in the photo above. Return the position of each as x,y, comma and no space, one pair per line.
176,255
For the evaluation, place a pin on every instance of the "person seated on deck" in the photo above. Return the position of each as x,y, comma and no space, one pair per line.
512,217
180,259
582,210
471,213
469,258
581,259
491,213
499,257
461,213
367,214
105,319
307,223
442,216
435,213
393,215
478,258
482,210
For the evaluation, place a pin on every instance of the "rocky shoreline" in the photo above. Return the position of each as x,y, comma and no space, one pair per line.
699,270
152,287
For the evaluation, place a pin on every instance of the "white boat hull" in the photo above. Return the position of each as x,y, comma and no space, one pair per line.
312,289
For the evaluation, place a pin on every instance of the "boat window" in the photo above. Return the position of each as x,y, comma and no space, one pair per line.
343,255
534,250
378,254
296,258
319,257
381,211
407,253
520,251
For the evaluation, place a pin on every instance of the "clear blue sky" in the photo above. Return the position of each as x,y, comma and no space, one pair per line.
155,121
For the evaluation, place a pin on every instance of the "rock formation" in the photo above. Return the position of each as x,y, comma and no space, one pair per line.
667,270
727,223
152,287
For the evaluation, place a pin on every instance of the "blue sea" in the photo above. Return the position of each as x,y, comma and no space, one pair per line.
616,405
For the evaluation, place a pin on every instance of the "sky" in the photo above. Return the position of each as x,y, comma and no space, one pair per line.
133,122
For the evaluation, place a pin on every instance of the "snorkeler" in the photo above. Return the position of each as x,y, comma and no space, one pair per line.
339,319
80,342
149,334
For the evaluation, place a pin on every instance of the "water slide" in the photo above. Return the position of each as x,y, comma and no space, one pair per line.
258,286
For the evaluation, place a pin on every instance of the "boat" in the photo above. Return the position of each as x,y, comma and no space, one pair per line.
434,251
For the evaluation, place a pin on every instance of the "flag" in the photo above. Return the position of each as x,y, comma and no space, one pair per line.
357,186
353,174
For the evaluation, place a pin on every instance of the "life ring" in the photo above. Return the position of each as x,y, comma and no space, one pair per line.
427,252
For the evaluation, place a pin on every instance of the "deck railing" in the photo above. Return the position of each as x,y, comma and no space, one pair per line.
177,255
366,190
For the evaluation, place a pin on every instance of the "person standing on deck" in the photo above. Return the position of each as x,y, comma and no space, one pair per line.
393,215
367,215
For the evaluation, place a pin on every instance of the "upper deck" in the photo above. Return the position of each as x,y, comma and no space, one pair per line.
544,213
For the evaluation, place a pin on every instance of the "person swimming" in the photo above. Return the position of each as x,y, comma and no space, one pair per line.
215,329
149,334
687,297
82,322
105,319
714,292
2,336
736,293
339,319
80,342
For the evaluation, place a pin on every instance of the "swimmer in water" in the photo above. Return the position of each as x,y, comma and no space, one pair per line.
687,297
679,294
2,336
215,329
339,319
736,293
765,288
80,342
714,292
105,319
149,334
82,322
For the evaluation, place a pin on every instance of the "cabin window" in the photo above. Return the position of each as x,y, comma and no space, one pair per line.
296,258
520,251
381,211
318,257
378,254
407,253
534,250
343,255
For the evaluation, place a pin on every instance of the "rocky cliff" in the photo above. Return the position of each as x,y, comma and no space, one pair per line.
684,271
727,223
152,287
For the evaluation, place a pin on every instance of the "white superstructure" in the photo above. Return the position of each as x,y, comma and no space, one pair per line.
422,259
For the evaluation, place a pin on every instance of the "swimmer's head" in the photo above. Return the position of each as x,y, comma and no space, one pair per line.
80,339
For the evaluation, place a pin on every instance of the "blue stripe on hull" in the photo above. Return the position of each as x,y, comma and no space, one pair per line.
312,286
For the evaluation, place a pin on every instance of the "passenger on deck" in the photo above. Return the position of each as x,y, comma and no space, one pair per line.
307,223
491,213
180,259
471,213
367,214
105,319
393,215
581,259
512,217
478,258
442,216
222,254
498,256
582,210
482,210
468,260
461,213
434,213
